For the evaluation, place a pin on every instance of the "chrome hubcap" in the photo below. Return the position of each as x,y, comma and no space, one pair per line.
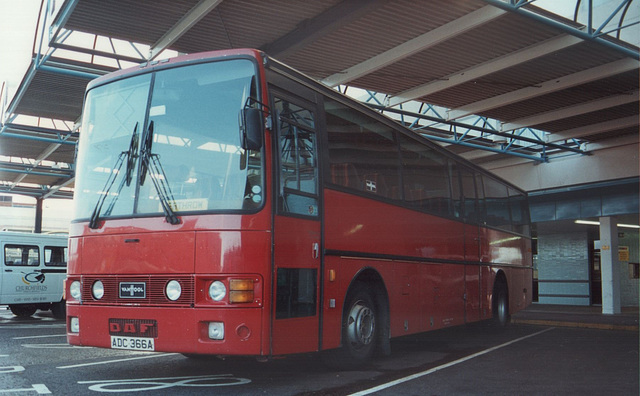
361,325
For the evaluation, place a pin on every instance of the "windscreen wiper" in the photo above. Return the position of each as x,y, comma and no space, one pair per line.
150,163
130,156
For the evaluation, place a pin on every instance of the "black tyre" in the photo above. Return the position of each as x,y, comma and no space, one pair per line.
59,310
360,327
23,310
501,315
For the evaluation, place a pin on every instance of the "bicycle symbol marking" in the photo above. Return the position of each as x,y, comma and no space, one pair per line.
147,384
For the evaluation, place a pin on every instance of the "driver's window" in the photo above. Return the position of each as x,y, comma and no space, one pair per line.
297,149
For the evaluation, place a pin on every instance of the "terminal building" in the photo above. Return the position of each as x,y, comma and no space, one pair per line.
546,98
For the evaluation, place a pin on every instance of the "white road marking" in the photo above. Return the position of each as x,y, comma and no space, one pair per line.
444,366
145,384
11,369
41,389
40,336
51,346
32,327
116,360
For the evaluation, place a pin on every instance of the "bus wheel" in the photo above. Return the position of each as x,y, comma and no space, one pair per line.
360,327
23,310
501,315
59,309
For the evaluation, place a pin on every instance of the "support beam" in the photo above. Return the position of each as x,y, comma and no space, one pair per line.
547,87
43,156
492,66
571,111
62,136
61,18
35,170
593,129
413,46
35,192
627,140
474,155
55,190
93,52
192,17
609,266
310,30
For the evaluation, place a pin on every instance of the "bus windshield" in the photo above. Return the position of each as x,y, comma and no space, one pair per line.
169,140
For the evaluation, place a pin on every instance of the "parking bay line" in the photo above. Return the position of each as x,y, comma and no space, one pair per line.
40,336
116,361
31,327
446,365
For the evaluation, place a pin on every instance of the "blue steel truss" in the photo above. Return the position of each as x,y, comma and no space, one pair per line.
589,30
477,132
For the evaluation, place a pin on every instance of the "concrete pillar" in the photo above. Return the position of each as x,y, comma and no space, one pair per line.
38,224
609,265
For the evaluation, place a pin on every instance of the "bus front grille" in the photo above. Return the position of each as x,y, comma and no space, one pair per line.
149,290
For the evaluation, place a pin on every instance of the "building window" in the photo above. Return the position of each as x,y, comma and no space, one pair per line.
634,271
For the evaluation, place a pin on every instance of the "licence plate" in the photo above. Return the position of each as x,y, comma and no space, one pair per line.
132,343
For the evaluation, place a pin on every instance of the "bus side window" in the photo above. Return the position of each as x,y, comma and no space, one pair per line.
363,152
482,206
519,212
470,201
426,179
55,256
497,201
456,192
346,175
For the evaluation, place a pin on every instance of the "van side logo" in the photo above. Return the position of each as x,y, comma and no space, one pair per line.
33,277
33,281
132,290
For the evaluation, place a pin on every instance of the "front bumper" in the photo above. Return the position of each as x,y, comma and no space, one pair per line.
183,330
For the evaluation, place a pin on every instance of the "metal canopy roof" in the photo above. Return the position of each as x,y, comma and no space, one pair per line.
489,59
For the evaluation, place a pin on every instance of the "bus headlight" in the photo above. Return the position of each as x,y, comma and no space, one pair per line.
74,324
97,290
217,291
216,330
173,290
75,290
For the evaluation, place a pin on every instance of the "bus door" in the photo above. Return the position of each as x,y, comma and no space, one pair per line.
297,224
472,273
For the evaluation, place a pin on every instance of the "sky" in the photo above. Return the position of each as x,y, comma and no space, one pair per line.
17,30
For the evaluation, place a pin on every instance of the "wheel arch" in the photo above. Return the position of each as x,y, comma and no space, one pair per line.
500,280
375,283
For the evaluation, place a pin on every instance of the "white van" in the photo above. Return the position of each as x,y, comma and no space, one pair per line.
32,272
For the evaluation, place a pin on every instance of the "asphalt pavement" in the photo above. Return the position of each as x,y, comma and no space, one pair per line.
590,317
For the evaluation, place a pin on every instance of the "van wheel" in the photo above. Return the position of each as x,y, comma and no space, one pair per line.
360,327
59,309
23,310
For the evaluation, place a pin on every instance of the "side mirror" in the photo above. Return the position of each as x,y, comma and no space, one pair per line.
251,129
